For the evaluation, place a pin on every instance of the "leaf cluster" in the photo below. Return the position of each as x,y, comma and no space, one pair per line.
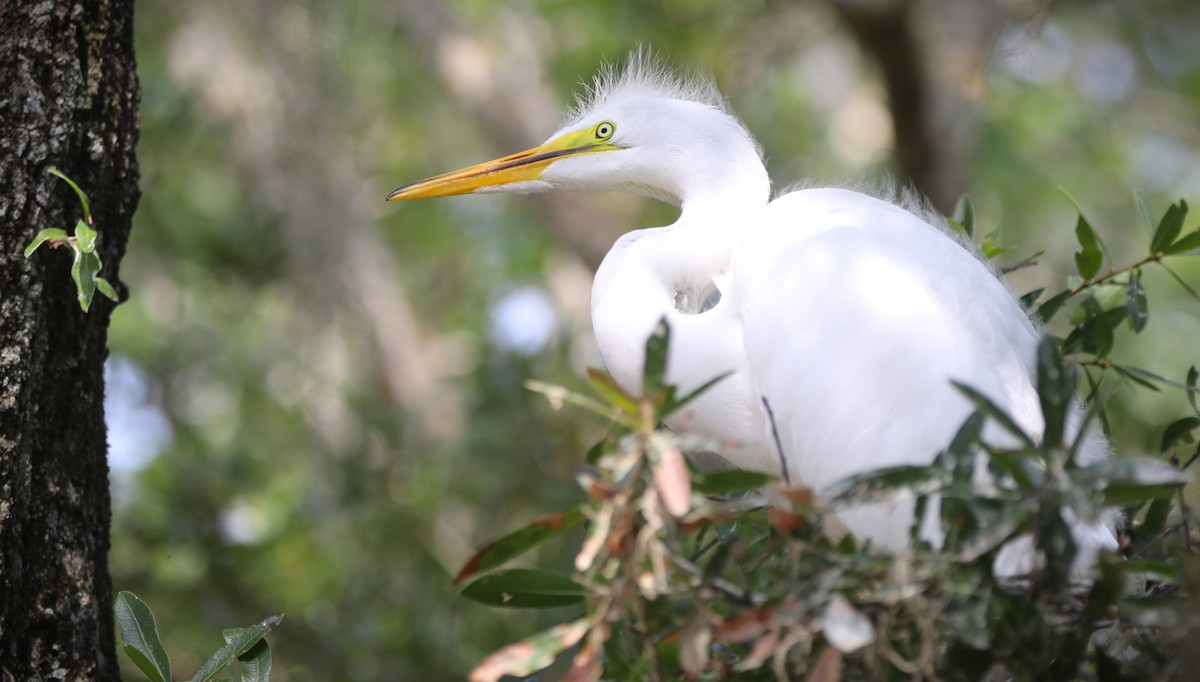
142,645
82,243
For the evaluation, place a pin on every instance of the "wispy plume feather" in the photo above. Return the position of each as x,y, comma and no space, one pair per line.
644,73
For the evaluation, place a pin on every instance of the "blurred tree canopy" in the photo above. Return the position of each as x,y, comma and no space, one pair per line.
315,398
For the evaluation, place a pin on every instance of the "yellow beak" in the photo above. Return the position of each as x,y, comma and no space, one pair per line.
526,166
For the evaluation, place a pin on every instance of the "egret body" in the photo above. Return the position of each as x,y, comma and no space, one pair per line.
849,315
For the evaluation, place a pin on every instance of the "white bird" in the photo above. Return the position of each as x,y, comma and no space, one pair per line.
849,315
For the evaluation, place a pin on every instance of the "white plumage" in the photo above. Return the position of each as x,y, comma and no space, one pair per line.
848,314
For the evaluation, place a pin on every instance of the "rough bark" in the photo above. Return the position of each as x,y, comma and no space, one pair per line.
69,101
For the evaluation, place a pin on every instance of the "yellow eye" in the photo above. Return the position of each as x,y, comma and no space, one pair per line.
605,130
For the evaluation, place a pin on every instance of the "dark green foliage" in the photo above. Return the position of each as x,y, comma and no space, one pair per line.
521,588
141,643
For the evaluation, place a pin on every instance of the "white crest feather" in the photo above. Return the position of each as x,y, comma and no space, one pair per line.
644,73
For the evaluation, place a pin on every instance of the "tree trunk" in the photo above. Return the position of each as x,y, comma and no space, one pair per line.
932,58
69,101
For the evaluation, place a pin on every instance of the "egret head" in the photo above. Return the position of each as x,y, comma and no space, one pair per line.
638,129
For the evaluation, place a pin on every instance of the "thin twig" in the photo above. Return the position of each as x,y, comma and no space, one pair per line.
1166,531
889,652
724,587
1114,271
787,479
1183,511
1019,266
1191,461
704,550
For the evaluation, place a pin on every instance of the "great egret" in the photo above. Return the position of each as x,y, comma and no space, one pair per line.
848,314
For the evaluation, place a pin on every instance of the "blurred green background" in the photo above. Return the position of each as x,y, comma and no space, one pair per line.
315,398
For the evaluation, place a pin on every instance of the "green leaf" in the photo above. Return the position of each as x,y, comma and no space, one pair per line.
50,234
1025,262
1180,430
654,372
995,412
730,481
557,396
1156,517
885,483
516,543
964,445
1030,298
1130,376
1135,302
1187,245
83,200
142,662
1089,258
1148,375
673,404
139,637
238,641
85,237
1055,540
1130,480
256,663
1169,227
1186,287
1011,520
1095,335
1056,390
608,389
83,271
1051,307
105,288
522,588
1112,585
963,218
1190,386
991,245
1158,571
1144,210
1024,466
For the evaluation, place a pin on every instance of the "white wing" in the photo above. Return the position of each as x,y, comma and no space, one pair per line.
856,316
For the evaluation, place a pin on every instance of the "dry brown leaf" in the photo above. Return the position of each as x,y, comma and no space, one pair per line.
587,666
530,655
595,540
693,648
798,495
828,667
673,481
746,626
763,650
784,521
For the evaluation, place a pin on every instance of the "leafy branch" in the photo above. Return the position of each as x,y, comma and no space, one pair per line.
83,244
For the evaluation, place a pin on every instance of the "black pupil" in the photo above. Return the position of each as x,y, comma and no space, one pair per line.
603,130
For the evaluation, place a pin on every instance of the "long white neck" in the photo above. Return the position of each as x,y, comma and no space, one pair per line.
636,287
637,284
